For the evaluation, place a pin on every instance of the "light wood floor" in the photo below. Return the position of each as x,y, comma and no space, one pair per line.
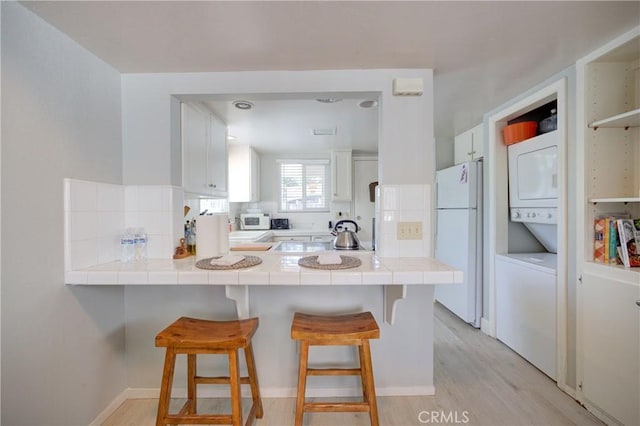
479,381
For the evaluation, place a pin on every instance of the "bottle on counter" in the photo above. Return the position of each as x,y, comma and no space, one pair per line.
191,238
140,245
127,246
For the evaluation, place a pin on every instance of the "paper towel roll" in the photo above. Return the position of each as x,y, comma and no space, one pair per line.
223,234
212,236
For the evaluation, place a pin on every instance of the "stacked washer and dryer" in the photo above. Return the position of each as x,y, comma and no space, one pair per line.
526,282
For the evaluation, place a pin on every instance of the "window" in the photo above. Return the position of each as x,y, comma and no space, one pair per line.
304,185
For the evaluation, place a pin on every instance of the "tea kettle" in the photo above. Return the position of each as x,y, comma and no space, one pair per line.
345,239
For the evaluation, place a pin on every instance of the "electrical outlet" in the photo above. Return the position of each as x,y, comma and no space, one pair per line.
409,231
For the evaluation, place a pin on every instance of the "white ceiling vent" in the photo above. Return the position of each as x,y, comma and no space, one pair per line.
408,86
325,132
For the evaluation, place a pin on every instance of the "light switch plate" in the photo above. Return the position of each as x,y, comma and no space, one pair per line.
409,231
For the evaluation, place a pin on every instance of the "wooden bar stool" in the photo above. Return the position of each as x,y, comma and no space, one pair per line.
195,337
321,330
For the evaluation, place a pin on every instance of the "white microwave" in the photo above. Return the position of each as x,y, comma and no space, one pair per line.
255,221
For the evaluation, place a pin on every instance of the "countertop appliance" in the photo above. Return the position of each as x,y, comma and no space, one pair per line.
255,221
280,223
345,239
459,237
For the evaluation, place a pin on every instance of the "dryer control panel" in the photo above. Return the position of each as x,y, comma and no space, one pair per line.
535,215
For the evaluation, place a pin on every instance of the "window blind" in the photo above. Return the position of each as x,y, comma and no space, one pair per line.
304,185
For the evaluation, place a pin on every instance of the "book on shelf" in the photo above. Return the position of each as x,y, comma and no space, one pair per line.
629,235
606,241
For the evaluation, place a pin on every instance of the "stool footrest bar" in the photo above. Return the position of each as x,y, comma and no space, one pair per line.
215,419
336,406
333,371
222,380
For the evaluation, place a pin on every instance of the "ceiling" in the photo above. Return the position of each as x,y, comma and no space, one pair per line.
298,123
483,53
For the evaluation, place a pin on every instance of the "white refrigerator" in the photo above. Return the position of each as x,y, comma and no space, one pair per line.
459,237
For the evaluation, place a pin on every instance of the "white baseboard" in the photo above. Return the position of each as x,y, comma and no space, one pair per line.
485,326
111,408
221,392
568,390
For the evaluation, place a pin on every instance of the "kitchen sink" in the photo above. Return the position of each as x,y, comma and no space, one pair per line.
307,247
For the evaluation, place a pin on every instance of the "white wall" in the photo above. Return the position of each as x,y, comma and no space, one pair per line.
444,153
62,352
406,156
150,119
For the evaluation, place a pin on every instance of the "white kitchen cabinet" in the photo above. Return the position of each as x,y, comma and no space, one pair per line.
608,153
341,175
469,146
244,174
611,345
204,152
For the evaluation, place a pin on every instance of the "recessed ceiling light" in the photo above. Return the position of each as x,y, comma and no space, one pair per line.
371,103
242,104
231,138
328,100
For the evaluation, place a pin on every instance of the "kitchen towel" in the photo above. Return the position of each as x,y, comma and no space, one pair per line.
329,259
227,260
212,235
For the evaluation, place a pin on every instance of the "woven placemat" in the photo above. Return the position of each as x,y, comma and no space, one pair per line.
245,263
347,262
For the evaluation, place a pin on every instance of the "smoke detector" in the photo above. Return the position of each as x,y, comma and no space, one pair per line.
369,103
329,131
408,86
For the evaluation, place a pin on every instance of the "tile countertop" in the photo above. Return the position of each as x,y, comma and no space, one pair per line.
275,269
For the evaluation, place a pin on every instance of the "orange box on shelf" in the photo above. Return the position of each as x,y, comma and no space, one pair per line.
518,132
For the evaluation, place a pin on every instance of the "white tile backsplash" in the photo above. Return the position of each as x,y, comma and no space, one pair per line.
403,203
110,223
96,214
84,195
110,198
84,225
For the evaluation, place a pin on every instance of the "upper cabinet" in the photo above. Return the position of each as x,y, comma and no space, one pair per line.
204,152
244,174
341,169
469,146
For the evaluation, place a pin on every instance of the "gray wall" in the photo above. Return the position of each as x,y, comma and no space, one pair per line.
62,347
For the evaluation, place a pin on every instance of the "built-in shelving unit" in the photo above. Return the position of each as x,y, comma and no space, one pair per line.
625,120
608,163
615,200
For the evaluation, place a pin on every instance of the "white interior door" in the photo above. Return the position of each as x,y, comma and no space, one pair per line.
365,171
